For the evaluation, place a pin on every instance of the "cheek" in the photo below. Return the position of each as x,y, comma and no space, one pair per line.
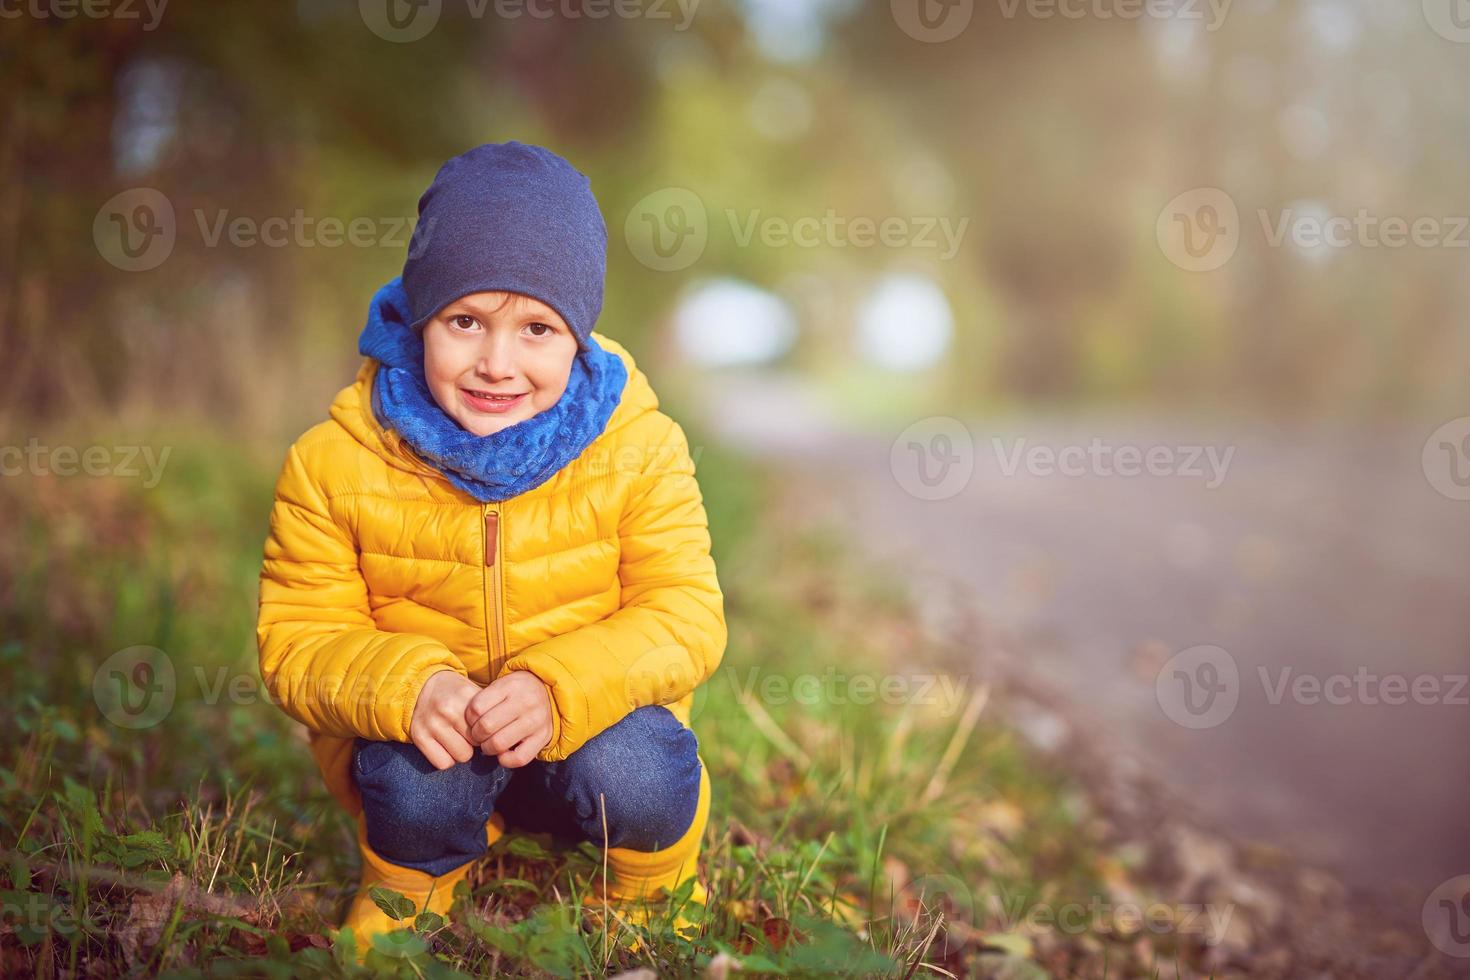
440,367
551,369
551,379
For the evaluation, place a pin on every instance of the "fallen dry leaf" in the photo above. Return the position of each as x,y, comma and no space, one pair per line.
150,912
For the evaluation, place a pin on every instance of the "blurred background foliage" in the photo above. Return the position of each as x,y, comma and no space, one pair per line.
1059,140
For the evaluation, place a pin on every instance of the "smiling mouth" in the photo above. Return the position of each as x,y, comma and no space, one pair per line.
485,401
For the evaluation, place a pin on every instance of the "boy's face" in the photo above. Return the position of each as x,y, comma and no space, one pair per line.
497,343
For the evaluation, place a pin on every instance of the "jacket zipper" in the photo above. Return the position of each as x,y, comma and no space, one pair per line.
494,624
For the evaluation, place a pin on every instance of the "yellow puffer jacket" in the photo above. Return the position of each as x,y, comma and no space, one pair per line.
378,572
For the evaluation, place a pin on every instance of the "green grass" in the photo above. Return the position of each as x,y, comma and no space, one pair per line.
890,838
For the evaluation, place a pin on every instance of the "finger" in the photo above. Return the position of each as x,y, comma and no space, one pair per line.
432,751
519,756
529,747
493,721
485,699
455,744
508,736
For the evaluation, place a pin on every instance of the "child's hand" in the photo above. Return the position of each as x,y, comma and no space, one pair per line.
511,718
438,726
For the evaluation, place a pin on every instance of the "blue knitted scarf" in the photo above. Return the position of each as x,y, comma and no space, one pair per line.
503,464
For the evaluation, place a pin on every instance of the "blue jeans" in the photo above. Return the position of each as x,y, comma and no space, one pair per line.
433,820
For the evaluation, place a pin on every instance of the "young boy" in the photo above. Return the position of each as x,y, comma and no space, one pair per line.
488,591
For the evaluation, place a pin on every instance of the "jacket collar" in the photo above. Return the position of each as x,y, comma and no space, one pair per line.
352,408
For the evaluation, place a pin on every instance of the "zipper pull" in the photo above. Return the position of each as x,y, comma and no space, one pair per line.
490,524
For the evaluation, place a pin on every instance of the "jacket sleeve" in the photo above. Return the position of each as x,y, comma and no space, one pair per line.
669,634
321,656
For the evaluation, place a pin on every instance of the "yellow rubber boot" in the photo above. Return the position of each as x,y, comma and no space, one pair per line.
428,893
637,878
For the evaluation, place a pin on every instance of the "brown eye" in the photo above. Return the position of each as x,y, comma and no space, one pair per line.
548,329
469,321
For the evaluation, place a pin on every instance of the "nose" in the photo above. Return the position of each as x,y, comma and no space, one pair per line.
497,356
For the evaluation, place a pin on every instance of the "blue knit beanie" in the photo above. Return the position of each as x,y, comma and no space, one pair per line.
514,217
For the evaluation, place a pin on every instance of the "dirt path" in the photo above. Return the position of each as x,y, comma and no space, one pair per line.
1322,554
